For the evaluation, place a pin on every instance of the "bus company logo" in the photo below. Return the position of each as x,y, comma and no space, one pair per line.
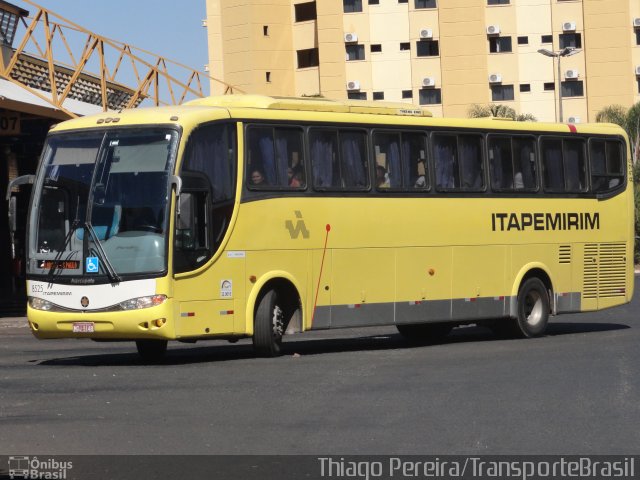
298,228
34,468
84,301
505,222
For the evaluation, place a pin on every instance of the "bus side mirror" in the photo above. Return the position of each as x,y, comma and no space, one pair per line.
23,180
176,182
13,212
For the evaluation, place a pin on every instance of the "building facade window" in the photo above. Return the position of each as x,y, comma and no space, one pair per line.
501,93
354,52
352,6
430,96
427,48
357,95
378,95
405,46
570,40
573,89
376,48
525,87
305,11
407,93
498,2
638,36
523,40
374,2
546,39
308,58
426,4
549,86
500,44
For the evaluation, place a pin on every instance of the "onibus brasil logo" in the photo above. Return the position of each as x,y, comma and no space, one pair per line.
35,468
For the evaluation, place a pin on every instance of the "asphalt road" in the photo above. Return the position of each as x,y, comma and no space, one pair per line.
356,391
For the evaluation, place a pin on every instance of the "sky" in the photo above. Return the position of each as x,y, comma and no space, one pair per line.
169,28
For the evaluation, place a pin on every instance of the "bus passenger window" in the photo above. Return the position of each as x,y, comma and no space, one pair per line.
471,164
524,161
575,166
607,165
324,158
500,163
275,158
414,161
387,155
552,163
446,163
354,160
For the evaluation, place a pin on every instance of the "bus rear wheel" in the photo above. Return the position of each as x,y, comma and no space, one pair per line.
533,309
269,325
151,350
425,332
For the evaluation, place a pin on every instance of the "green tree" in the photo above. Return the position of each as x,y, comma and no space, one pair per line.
613,114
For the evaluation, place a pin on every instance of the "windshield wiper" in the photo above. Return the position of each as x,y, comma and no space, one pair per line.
111,272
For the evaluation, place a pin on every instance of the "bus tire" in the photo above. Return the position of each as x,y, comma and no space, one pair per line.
532,309
425,332
269,325
151,350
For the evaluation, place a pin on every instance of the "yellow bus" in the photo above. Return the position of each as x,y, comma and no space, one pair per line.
251,216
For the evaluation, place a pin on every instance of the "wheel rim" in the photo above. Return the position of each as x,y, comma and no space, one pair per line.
533,308
277,322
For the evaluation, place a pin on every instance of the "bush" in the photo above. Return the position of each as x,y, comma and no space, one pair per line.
637,198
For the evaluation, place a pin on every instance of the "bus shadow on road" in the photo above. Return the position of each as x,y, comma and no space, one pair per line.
294,346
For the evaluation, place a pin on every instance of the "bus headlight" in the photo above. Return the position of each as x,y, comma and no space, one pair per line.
143,302
40,304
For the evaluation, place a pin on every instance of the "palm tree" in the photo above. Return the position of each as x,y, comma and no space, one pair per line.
497,110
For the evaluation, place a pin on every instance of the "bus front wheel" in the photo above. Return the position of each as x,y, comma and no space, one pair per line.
533,309
269,325
151,350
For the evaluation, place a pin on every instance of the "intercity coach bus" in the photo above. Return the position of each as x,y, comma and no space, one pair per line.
252,216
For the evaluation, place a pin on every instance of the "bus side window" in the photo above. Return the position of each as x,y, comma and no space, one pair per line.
552,163
387,156
261,166
445,153
471,162
500,163
324,158
524,161
575,166
289,155
414,161
607,165
353,165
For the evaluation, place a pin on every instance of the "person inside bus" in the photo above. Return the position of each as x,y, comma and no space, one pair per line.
294,178
257,178
381,177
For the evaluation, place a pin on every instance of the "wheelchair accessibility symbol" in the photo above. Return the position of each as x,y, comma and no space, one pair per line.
92,265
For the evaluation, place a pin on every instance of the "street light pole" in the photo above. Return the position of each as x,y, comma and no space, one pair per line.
565,52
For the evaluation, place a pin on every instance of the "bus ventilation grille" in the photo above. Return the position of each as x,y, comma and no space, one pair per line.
605,270
564,254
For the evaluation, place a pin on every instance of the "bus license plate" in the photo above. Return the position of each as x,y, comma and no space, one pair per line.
83,327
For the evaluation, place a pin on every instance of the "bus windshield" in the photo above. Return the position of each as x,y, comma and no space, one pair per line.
101,204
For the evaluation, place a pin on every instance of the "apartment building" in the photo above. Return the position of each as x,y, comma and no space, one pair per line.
446,54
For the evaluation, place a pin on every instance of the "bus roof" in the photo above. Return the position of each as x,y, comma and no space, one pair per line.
247,106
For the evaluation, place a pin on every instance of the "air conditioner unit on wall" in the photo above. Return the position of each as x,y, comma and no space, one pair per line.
638,70
428,82
573,119
350,37
573,73
636,22
495,78
493,29
568,26
353,85
426,33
